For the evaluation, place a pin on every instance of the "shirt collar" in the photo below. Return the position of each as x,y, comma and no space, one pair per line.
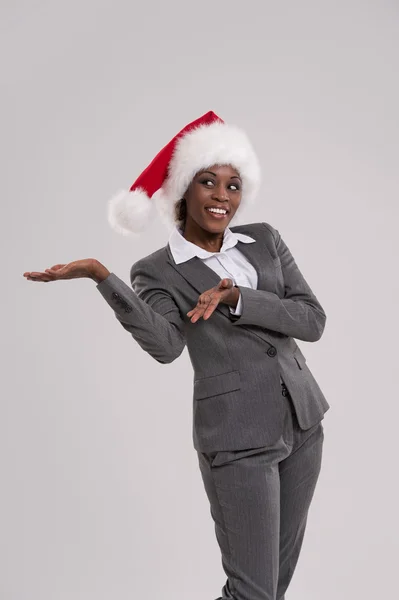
183,250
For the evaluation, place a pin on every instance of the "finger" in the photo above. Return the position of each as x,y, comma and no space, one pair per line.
204,311
198,310
196,313
59,273
225,284
39,278
203,302
194,310
210,309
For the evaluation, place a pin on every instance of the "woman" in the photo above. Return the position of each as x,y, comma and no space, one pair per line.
236,298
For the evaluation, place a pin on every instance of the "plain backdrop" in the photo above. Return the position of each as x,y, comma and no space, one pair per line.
96,503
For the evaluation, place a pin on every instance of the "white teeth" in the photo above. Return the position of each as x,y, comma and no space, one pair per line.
219,211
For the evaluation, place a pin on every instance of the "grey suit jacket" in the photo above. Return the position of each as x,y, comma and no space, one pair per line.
237,361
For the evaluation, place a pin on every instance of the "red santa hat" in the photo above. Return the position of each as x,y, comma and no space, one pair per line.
204,142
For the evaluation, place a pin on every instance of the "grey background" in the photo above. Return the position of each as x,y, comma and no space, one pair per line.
94,505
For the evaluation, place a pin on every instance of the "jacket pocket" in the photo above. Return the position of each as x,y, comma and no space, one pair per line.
217,384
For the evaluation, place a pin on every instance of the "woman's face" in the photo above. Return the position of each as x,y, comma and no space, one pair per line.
219,186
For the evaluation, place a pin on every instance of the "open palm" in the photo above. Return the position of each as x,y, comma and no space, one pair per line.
73,270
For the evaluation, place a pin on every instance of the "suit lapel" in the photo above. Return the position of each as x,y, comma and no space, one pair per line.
202,278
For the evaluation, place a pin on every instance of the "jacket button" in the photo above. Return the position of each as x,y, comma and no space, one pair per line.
272,351
115,296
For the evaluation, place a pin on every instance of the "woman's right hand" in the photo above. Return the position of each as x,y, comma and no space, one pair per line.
88,267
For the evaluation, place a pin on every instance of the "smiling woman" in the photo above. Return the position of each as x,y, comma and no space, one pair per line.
257,409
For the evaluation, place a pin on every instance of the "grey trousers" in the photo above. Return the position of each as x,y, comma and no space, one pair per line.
259,501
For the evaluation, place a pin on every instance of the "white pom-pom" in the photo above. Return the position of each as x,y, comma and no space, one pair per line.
129,211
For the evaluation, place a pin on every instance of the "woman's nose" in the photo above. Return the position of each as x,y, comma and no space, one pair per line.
220,193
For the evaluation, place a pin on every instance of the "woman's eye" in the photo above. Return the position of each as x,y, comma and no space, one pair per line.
210,183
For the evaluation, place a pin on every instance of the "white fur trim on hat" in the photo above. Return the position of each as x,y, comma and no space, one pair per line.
218,143
129,211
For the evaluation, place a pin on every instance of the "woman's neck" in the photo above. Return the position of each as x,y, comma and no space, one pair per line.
208,240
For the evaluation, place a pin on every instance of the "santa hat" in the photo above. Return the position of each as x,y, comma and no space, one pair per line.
204,142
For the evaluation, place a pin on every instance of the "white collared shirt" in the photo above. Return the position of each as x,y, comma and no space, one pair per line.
228,262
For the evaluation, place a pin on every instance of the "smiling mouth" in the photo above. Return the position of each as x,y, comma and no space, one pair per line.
217,215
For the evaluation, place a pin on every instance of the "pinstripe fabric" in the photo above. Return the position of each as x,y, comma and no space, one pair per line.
259,501
237,361
228,262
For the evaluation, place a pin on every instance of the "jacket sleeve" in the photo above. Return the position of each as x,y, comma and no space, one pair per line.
147,311
298,314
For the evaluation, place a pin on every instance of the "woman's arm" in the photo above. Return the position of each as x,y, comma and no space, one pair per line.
147,311
299,314
150,315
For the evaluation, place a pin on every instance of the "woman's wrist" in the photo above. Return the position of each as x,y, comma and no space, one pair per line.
233,297
98,271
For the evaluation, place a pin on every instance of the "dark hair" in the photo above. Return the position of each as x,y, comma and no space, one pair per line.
180,213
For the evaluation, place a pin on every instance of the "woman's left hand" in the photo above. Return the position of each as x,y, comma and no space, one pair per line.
209,300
